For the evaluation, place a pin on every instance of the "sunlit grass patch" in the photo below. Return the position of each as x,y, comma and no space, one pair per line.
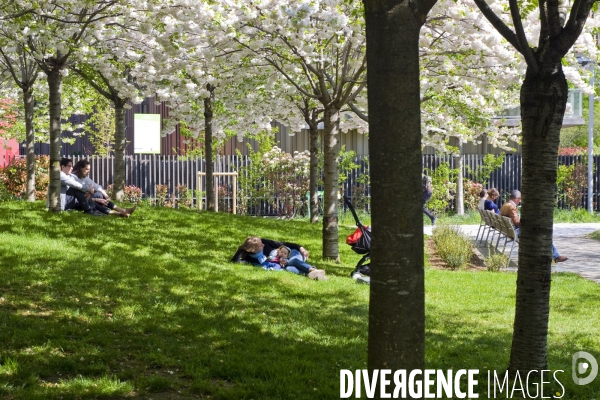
151,307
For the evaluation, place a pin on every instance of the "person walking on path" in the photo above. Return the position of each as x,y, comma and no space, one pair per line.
427,193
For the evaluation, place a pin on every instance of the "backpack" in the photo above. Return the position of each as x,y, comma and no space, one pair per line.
427,185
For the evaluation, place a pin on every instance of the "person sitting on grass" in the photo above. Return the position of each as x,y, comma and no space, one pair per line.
100,197
73,194
254,250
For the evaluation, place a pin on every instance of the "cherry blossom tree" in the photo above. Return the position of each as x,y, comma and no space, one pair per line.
208,83
114,66
543,101
23,70
52,31
318,47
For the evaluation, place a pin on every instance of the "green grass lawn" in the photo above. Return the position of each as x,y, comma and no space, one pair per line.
150,307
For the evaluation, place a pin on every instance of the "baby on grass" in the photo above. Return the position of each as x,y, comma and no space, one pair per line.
285,256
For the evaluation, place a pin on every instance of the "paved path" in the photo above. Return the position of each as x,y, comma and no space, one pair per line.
569,239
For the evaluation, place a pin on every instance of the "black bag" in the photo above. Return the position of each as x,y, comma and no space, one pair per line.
363,245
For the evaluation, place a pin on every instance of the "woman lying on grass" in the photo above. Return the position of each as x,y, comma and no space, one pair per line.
103,204
254,250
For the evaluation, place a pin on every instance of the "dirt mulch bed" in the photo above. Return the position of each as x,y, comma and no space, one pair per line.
475,264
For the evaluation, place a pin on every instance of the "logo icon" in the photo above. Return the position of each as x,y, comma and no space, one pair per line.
581,368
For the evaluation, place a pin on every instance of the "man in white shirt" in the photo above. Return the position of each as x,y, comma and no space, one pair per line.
73,194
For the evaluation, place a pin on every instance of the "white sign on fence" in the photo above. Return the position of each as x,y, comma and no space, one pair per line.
146,133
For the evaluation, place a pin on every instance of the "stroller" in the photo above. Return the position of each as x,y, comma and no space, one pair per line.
360,241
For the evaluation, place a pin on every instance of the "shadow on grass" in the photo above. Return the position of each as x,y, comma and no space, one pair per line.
150,306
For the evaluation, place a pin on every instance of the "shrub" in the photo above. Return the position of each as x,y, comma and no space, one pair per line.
184,198
162,196
572,151
572,182
443,180
133,194
224,193
471,197
453,246
13,178
494,262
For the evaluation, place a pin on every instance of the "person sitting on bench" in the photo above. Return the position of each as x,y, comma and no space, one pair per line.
509,209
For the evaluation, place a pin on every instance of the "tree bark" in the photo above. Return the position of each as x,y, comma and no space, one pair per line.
55,94
208,118
330,184
397,303
460,192
543,103
120,144
29,141
314,174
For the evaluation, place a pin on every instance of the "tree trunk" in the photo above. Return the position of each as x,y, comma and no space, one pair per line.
55,94
29,141
330,185
120,144
208,118
397,303
460,192
314,174
543,102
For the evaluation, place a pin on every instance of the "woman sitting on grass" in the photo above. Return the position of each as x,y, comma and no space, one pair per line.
254,250
103,204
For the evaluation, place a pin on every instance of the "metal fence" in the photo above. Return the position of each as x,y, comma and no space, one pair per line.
148,171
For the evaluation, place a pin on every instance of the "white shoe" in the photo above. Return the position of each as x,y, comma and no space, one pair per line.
317,274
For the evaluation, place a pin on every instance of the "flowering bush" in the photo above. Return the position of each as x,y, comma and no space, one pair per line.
133,194
471,196
287,177
572,151
13,177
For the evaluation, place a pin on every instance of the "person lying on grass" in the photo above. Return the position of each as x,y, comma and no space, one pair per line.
286,256
81,170
253,251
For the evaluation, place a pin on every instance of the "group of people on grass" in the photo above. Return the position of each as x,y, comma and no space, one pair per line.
277,256
79,192
509,209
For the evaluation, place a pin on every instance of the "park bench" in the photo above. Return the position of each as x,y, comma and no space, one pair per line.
497,225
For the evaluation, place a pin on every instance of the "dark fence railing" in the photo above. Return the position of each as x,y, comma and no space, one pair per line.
147,171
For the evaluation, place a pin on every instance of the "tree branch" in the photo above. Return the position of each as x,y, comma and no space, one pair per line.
358,113
497,23
552,17
574,27
521,37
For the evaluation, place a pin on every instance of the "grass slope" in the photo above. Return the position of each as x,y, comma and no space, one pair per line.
150,307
